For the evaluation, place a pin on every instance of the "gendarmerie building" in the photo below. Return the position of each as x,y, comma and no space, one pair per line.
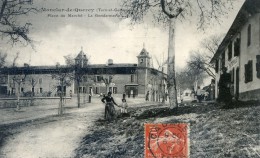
135,80
239,52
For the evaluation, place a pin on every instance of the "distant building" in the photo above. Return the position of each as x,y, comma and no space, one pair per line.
239,52
132,79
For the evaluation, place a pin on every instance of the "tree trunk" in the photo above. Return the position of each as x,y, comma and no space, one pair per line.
62,100
163,93
60,106
78,94
18,97
171,66
107,88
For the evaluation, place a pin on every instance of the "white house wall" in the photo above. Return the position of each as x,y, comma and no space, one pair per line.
250,90
249,53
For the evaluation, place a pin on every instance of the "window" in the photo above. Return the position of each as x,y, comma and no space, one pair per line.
237,47
85,78
97,90
99,78
132,78
258,66
217,66
3,79
40,90
223,60
249,35
40,80
90,90
230,51
249,71
80,90
141,60
114,90
22,90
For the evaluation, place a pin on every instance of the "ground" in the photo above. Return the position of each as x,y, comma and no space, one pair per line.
37,131
43,133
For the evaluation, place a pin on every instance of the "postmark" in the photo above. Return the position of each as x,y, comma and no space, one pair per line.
166,140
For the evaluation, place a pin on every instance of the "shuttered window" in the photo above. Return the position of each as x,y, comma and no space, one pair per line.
258,66
237,47
249,71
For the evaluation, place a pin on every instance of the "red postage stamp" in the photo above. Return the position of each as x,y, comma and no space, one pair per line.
166,140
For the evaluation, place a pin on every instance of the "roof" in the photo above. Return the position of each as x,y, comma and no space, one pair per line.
250,7
144,53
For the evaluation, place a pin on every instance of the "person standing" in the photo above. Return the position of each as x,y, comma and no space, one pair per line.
224,87
199,94
147,96
124,105
109,108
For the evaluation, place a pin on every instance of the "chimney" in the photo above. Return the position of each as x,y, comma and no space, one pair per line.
110,62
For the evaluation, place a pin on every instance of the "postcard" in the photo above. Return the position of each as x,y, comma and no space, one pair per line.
129,78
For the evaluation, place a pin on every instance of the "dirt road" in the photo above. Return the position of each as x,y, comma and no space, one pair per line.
51,136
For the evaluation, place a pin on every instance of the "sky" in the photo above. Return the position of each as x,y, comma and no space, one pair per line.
103,38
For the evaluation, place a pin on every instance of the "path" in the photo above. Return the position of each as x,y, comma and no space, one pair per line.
52,136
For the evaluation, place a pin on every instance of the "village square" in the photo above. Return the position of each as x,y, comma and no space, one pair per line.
88,90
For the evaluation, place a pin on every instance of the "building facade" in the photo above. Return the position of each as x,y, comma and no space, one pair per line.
135,80
239,52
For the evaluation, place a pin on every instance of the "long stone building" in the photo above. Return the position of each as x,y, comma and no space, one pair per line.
239,52
135,80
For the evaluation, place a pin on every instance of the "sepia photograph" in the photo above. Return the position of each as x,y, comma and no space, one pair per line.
129,78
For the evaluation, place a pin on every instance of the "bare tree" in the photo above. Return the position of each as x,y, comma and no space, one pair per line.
186,77
33,81
106,75
79,71
2,59
200,59
10,11
18,79
162,78
198,63
167,11
64,76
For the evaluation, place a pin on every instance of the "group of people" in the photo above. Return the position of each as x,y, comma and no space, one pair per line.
224,94
147,96
224,86
109,101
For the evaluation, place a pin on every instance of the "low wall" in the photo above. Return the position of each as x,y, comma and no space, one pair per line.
12,102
